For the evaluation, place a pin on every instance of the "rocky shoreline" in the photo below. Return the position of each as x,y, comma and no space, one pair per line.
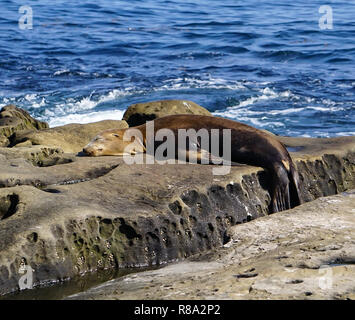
303,253
65,215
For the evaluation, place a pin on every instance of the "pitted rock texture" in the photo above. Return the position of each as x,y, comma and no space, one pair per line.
139,113
87,214
14,119
40,156
304,253
71,138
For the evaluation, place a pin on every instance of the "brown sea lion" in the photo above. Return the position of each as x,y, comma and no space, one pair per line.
248,146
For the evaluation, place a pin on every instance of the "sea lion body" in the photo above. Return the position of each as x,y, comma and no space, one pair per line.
248,146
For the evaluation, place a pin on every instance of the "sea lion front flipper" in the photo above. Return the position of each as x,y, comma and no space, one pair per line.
199,156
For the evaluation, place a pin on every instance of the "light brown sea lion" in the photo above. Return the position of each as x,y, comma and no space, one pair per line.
248,146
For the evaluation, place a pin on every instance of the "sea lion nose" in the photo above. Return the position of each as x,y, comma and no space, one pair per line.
87,151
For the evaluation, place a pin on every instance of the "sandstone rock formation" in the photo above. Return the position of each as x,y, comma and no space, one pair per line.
70,138
96,213
66,215
12,120
303,253
139,113
39,156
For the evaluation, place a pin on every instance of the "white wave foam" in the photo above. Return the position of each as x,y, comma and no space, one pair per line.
262,123
211,83
259,122
86,118
5,101
30,97
39,104
286,111
240,110
237,113
319,134
350,133
309,99
35,100
267,94
325,109
59,72
87,103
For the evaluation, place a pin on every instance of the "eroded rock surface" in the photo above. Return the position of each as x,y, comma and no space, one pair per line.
95,213
139,113
70,138
304,253
14,119
40,156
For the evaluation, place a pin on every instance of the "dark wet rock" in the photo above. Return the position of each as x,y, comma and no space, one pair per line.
14,119
96,213
139,113
303,253
70,138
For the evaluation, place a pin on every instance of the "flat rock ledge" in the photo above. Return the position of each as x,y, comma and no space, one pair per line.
87,214
304,253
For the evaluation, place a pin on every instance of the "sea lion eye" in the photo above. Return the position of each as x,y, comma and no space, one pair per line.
116,135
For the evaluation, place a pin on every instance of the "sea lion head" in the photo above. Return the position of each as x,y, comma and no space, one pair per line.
112,143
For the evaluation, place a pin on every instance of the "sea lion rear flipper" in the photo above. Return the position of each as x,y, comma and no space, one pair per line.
286,188
281,191
295,187
280,199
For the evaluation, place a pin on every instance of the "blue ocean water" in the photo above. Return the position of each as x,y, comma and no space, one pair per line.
264,63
